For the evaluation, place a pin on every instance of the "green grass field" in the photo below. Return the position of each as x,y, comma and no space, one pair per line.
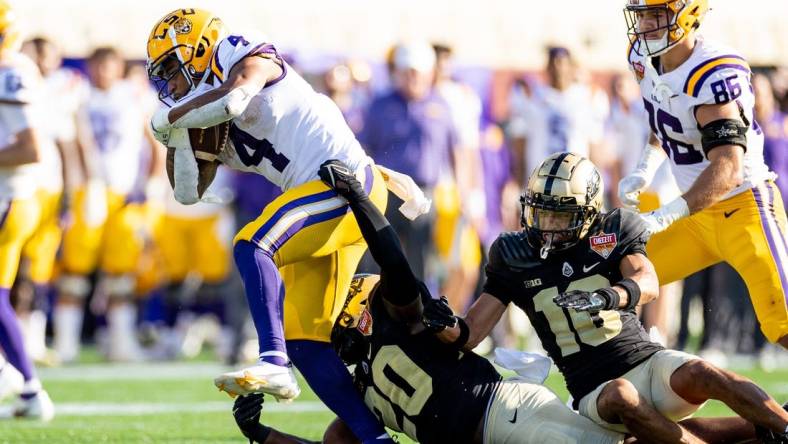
177,403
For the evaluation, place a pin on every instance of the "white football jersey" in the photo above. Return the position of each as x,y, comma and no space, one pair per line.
20,108
713,74
116,121
288,130
554,121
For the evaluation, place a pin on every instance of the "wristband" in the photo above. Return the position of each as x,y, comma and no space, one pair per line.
260,433
633,292
611,297
465,333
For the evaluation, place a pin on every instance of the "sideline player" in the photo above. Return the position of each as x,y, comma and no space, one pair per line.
700,103
298,257
22,145
579,274
416,384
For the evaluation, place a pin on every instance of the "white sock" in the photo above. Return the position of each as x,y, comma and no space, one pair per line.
35,341
68,326
121,323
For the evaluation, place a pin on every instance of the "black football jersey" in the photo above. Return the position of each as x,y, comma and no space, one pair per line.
421,386
589,349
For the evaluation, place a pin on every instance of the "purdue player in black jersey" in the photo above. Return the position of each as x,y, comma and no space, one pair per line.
578,274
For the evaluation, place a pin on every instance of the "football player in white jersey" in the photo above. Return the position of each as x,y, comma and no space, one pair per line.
700,103
21,145
301,253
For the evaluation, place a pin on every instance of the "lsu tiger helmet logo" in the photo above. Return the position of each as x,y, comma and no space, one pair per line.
660,24
182,43
563,198
353,326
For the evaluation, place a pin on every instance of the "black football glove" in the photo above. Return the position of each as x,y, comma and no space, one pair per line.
591,301
437,315
246,412
338,177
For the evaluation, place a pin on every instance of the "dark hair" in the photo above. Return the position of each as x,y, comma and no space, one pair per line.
103,53
441,49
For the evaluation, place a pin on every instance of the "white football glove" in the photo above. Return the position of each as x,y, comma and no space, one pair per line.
161,126
661,218
630,187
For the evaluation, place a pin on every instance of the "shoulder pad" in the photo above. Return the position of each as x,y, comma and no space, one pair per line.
515,250
718,79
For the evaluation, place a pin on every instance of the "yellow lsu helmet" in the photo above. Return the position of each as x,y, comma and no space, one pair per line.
673,19
9,31
563,198
353,326
183,41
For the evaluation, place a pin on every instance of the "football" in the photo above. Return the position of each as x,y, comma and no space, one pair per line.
208,143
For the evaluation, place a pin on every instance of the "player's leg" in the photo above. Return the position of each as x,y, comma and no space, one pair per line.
18,220
308,324
698,380
306,222
524,413
40,252
633,404
328,377
79,258
694,237
124,240
753,240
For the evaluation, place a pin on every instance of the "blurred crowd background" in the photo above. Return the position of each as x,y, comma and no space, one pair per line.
467,111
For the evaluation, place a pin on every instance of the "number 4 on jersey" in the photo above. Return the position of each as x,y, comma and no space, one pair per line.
260,149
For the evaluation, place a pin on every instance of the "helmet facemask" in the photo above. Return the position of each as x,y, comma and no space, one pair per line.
350,335
554,223
659,38
164,70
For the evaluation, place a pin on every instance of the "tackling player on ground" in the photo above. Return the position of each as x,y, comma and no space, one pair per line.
578,274
700,107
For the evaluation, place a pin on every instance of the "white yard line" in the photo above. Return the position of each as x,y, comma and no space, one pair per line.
143,408
160,371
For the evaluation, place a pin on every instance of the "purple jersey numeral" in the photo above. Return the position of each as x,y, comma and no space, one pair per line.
261,149
681,153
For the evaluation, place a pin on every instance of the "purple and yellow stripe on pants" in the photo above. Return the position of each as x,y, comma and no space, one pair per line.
774,321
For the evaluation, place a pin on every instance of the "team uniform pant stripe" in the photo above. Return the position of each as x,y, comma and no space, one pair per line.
777,247
302,213
771,187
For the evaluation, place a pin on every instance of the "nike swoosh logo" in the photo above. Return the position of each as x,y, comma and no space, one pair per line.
514,418
587,269
728,214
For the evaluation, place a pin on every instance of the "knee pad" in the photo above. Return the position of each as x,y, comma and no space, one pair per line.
73,284
119,287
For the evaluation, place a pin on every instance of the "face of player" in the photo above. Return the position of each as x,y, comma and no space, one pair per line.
105,71
554,221
653,23
177,86
412,83
560,71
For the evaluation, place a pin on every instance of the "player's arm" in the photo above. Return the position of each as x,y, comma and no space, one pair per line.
469,331
247,410
399,286
221,104
630,187
639,285
724,142
206,172
25,146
